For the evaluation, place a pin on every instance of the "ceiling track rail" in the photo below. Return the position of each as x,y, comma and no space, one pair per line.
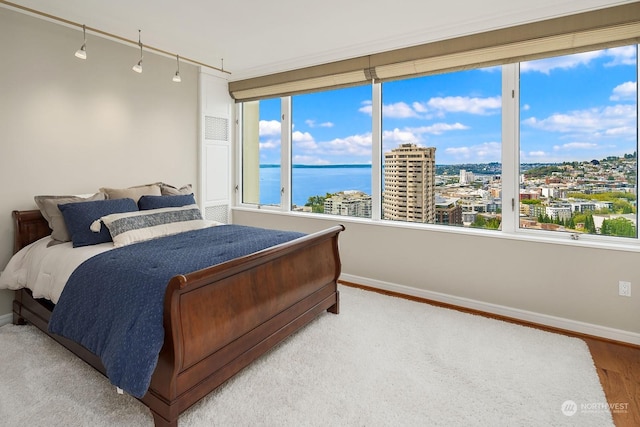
107,34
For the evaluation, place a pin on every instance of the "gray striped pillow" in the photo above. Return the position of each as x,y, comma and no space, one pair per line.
132,227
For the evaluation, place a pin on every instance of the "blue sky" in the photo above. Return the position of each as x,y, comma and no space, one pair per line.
574,107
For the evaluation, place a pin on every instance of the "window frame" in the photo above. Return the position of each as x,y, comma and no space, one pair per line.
510,228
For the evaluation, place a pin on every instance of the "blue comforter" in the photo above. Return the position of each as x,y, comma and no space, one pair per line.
113,302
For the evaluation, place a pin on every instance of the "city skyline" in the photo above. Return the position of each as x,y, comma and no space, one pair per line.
459,114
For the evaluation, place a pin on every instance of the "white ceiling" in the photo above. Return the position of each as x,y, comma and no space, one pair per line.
258,37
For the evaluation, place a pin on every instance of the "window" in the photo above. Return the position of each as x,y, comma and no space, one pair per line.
261,147
441,144
578,143
331,152
546,146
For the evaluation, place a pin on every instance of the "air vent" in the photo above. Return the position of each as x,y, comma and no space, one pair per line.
216,128
217,213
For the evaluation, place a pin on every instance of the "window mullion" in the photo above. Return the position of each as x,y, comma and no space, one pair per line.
376,152
285,154
510,148
637,136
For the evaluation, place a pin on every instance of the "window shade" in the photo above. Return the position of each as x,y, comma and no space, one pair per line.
513,52
334,75
592,30
301,86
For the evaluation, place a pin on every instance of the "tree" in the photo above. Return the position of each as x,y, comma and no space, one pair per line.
589,225
479,222
620,227
622,206
317,203
493,223
482,222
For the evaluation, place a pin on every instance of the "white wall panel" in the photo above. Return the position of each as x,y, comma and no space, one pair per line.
215,147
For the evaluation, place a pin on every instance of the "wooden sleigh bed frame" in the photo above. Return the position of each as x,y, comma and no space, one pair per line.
252,303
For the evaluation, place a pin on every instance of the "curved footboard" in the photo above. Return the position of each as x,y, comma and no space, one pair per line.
219,319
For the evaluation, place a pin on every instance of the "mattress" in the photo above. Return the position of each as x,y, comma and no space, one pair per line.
45,269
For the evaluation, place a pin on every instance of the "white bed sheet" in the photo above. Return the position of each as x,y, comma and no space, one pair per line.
45,270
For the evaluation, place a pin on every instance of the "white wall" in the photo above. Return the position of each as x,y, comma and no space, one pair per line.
72,126
565,286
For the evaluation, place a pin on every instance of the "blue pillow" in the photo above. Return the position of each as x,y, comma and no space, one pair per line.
79,216
159,202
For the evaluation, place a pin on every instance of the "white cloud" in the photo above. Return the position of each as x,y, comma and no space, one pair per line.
593,121
309,160
348,149
438,106
546,65
526,107
269,127
536,154
303,140
481,153
625,55
367,107
622,130
571,146
396,137
399,110
354,145
270,144
298,136
438,128
624,91
313,124
488,150
419,108
465,104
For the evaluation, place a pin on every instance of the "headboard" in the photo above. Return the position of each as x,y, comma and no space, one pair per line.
29,226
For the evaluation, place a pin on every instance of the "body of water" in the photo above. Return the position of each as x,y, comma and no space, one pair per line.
308,181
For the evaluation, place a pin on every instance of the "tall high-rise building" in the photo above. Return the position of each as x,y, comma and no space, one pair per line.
409,184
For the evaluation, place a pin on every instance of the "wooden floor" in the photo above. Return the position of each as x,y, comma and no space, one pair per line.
618,367
617,364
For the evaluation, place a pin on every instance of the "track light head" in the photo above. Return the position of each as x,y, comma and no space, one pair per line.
82,52
176,77
138,67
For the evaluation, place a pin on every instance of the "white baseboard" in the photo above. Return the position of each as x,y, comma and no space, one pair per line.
528,316
5,319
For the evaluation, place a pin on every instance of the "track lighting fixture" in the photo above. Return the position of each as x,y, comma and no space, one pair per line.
82,52
177,78
138,67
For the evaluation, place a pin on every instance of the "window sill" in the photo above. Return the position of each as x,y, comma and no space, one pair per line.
528,236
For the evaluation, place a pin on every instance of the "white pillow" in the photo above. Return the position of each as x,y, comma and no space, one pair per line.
131,227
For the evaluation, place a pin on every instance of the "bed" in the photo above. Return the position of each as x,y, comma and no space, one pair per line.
252,302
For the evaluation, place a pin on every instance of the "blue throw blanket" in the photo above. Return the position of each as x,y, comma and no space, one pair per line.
113,302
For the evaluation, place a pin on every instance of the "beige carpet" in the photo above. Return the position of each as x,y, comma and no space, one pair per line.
382,362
